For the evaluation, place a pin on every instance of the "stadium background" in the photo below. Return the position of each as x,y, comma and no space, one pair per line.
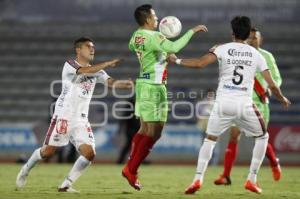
37,38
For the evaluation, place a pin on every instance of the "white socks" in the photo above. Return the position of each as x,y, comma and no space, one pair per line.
34,158
205,154
78,168
258,154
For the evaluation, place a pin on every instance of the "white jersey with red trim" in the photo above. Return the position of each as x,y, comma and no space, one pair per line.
77,91
238,64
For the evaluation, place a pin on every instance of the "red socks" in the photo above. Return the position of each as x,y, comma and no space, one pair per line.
141,146
231,153
230,157
134,143
271,155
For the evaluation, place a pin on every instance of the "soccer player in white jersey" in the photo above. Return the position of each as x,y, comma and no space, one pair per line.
238,63
70,118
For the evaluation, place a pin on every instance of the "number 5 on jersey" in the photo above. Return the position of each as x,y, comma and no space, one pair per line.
237,76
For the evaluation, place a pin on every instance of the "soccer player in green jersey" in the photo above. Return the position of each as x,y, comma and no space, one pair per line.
260,98
151,48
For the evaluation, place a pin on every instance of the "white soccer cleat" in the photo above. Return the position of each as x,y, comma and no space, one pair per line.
21,179
67,189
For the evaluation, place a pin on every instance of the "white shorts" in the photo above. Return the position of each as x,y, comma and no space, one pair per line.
77,132
245,115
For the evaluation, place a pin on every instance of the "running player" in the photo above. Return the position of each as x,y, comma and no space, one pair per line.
238,63
261,99
70,118
151,48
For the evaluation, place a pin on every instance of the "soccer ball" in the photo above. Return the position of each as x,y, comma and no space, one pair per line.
170,26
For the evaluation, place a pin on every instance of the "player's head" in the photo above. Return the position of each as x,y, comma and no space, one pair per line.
254,38
241,26
145,16
84,48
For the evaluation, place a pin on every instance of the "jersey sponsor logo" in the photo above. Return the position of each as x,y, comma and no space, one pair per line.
235,88
146,76
139,40
234,52
140,47
86,84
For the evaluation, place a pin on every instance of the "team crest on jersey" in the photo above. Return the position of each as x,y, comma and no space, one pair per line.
62,126
86,84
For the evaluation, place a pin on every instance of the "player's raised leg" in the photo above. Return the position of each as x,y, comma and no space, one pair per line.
41,153
136,141
146,144
141,151
127,171
153,112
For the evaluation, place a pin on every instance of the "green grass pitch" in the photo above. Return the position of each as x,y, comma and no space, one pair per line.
159,182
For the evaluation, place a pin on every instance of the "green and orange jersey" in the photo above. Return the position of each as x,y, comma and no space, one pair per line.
151,48
271,63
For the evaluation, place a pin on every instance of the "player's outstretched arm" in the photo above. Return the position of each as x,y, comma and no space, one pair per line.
175,46
97,67
275,90
194,63
113,83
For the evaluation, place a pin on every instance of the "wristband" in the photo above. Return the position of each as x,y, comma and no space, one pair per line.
178,61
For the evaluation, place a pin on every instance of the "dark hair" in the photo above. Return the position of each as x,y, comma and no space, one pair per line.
80,41
141,13
241,26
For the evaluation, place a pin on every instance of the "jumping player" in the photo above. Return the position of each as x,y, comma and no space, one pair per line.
151,48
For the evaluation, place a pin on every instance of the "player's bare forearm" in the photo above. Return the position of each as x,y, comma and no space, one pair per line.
112,83
275,90
97,67
194,63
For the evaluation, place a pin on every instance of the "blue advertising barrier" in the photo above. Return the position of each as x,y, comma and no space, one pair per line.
17,139
175,139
